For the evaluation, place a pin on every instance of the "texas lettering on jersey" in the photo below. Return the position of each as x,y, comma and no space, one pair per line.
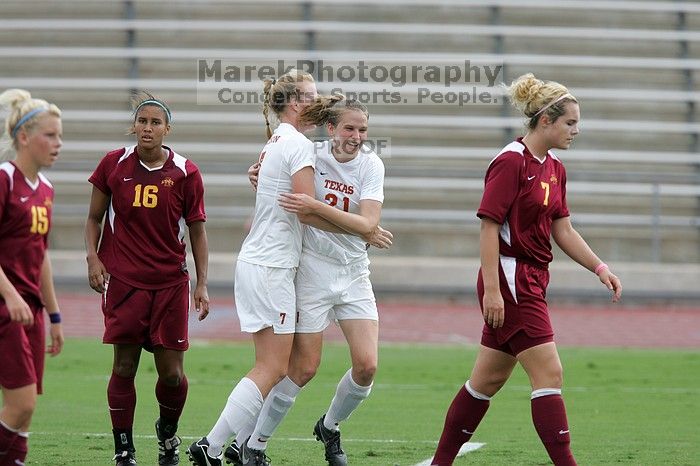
338,186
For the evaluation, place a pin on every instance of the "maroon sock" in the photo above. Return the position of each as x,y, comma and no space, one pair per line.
17,453
171,400
7,438
549,417
461,421
121,396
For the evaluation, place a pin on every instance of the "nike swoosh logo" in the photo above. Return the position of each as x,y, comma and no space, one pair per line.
562,432
528,178
467,432
261,440
323,173
24,198
180,341
128,179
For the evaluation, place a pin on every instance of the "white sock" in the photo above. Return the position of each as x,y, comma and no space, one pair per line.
274,409
544,392
474,393
348,397
242,407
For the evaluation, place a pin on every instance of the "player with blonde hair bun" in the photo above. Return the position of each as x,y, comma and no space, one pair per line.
522,208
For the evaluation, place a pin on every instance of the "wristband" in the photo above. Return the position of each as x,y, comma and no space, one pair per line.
600,267
55,318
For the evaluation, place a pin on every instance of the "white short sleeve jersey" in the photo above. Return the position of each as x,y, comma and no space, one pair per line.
275,236
343,186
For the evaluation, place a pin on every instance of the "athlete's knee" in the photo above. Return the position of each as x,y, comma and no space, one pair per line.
125,367
303,368
172,379
363,372
20,411
301,375
488,383
550,376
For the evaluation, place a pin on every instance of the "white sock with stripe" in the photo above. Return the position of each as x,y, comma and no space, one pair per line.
274,409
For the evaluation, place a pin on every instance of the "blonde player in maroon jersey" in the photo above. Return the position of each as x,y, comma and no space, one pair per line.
523,205
148,193
33,128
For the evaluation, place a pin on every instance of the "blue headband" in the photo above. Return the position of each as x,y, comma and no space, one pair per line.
26,118
159,104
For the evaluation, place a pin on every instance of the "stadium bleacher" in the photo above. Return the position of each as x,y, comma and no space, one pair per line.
634,171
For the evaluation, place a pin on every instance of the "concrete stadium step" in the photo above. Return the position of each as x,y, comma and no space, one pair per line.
456,274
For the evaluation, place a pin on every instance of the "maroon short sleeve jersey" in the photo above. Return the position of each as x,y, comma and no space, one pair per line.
525,195
25,221
143,235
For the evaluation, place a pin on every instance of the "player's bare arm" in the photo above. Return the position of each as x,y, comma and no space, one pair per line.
365,224
303,183
97,273
200,248
493,307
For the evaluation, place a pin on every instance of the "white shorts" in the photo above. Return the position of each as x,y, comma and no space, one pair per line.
331,291
265,298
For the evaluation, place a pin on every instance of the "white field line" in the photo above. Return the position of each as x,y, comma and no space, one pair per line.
191,437
466,448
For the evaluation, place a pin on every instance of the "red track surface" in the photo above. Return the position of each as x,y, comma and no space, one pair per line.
440,323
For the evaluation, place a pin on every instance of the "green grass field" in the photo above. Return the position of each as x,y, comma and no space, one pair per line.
637,407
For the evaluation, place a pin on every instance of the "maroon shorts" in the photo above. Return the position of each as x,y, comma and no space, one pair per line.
146,317
524,288
22,349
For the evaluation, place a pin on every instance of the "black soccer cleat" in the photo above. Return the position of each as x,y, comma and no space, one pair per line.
168,454
251,457
331,441
199,454
232,455
125,458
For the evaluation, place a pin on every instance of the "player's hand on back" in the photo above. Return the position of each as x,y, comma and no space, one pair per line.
253,171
